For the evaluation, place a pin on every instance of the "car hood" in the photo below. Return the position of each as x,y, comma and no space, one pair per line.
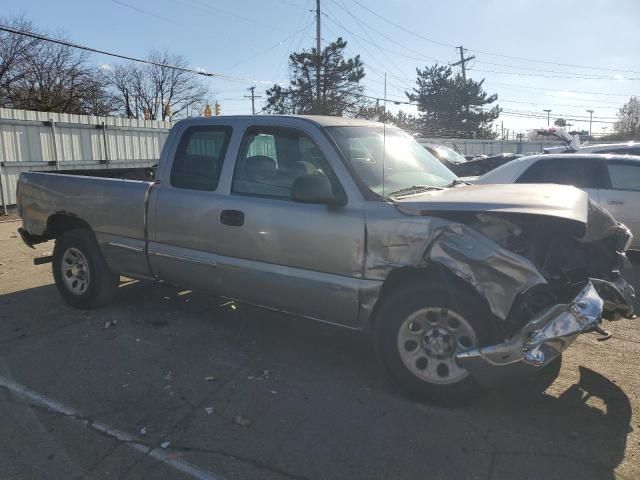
558,201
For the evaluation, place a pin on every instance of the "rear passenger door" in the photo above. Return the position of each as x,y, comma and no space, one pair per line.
185,206
622,194
585,173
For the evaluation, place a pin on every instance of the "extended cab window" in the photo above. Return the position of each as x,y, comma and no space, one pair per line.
579,172
270,159
198,160
624,176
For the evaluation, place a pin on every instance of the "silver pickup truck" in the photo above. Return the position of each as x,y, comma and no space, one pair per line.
350,223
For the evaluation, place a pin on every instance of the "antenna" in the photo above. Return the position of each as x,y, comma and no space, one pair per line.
384,129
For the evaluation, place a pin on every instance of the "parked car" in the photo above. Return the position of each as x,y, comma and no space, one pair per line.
572,145
613,181
468,167
350,223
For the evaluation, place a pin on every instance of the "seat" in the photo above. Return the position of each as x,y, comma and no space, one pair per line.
260,167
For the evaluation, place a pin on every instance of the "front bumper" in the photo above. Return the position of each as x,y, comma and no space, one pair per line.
540,341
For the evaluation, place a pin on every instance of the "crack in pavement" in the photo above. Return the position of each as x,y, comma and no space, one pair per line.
37,400
23,336
251,461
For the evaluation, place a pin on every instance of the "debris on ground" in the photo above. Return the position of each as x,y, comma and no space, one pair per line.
110,323
274,392
243,422
165,444
143,431
210,378
264,375
168,376
209,410
231,304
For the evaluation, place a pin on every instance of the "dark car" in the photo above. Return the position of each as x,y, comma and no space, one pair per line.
464,167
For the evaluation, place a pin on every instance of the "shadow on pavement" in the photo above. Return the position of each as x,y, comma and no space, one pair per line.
341,412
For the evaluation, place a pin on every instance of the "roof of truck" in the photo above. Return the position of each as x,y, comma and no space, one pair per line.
322,120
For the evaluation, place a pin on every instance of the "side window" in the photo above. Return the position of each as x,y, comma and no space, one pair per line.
624,176
579,172
198,160
270,159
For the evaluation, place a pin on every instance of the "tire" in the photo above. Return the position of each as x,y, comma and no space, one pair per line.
450,306
81,274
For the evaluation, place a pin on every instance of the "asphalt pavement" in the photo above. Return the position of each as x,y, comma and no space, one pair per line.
168,383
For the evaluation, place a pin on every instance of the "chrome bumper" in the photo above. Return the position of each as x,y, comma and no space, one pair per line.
543,339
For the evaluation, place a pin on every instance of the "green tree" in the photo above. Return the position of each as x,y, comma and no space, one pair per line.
341,92
449,105
628,124
560,122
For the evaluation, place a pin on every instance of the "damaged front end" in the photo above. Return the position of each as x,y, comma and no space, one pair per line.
545,278
547,318
538,343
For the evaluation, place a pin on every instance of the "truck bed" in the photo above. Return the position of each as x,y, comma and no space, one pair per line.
113,206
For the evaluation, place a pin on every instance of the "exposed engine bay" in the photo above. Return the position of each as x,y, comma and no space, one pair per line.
566,260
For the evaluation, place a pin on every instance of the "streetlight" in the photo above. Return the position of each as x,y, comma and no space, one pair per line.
548,114
590,120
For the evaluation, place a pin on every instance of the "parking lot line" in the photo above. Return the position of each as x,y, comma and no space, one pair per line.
156,453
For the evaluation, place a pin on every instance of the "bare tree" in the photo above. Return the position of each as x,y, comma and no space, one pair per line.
55,78
14,49
156,92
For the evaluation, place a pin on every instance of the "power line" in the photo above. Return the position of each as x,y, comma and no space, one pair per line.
484,52
65,43
430,40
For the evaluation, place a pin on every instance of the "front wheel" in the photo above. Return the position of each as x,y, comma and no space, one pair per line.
419,330
81,274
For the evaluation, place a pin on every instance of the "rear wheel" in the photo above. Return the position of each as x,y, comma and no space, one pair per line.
419,330
81,274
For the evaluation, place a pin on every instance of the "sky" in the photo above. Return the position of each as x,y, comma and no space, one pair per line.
567,56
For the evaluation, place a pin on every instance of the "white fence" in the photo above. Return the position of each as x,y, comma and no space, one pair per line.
55,141
468,146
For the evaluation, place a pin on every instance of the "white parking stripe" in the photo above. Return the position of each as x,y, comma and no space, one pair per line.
133,442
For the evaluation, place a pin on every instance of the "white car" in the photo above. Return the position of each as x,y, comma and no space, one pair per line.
613,181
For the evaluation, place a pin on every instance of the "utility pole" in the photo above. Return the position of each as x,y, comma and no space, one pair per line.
253,97
548,115
463,63
318,57
590,119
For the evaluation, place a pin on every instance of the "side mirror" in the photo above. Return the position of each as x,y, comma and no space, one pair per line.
315,189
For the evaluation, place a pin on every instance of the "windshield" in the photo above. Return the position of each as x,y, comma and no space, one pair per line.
447,154
406,162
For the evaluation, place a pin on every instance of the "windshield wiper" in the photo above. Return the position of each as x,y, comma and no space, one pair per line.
457,181
415,189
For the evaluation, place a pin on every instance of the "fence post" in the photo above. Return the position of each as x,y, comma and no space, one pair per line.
103,126
4,200
56,159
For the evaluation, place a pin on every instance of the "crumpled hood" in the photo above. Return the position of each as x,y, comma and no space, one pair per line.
550,200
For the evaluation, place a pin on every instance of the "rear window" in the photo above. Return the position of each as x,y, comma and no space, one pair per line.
579,172
198,161
624,176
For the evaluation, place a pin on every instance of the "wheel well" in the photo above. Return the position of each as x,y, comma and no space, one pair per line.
407,276
60,223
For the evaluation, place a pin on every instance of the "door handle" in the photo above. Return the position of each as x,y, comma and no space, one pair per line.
615,202
233,218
